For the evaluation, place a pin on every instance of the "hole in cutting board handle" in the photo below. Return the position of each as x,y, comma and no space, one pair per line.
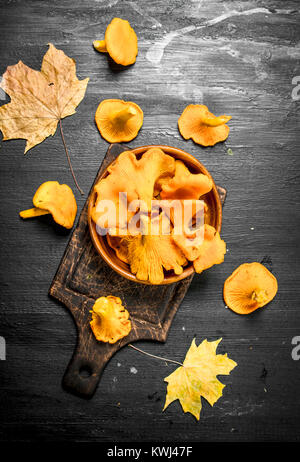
85,372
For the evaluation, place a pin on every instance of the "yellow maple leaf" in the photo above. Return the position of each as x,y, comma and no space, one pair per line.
40,99
198,377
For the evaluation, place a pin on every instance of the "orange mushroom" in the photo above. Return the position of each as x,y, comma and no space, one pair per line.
205,247
202,126
120,42
189,245
110,321
187,219
100,46
149,254
117,243
136,177
185,185
211,251
250,286
160,182
57,199
118,121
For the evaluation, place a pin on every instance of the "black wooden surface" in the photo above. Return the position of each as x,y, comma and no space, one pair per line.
239,64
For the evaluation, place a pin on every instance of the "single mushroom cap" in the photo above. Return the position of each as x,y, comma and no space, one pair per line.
118,121
120,42
117,243
149,254
110,321
185,185
136,177
57,199
211,251
202,126
205,248
249,287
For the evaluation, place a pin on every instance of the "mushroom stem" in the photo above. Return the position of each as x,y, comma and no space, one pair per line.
101,311
215,121
100,46
121,117
34,212
259,296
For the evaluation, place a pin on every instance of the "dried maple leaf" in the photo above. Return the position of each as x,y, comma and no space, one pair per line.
198,377
40,99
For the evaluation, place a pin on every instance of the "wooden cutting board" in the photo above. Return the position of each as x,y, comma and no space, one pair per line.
83,276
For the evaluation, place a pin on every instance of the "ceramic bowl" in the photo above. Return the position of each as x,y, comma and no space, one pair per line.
212,199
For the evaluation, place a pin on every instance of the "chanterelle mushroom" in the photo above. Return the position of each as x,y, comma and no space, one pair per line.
57,199
136,177
210,250
110,320
202,126
149,255
249,287
118,121
118,244
185,185
120,42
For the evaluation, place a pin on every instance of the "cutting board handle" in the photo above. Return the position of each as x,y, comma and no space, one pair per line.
83,373
89,359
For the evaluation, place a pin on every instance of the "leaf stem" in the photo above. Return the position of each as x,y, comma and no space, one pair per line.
68,157
154,356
